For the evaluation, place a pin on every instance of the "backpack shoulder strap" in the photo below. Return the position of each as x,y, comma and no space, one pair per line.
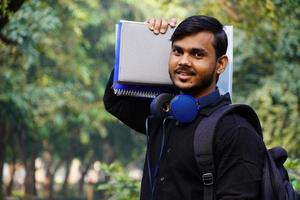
203,141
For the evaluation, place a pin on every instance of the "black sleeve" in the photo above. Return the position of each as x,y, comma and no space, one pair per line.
239,160
132,111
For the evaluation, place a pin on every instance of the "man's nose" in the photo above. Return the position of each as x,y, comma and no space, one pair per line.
185,60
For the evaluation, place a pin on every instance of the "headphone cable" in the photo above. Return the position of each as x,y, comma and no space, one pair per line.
152,179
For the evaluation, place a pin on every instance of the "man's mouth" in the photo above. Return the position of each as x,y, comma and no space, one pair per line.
184,72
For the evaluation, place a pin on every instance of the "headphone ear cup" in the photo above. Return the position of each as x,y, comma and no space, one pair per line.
159,107
184,108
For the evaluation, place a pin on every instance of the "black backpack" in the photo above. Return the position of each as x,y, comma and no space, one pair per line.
275,181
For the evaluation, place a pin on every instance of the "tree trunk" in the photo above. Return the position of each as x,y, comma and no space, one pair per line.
50,175
67,174
51,187
4,132
51,169
84,171
30,189
2,158
28,159
12,170
12,167
108,152
81,183
49,183
51,196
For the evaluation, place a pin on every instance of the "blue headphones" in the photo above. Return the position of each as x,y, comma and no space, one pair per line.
184,108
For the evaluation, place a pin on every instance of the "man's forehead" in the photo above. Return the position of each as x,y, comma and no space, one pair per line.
195,40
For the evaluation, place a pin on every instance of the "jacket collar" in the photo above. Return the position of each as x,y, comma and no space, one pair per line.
224,100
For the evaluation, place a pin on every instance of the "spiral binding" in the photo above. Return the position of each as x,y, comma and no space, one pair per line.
136,93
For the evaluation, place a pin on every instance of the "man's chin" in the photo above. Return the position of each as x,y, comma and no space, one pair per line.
193,91
184,89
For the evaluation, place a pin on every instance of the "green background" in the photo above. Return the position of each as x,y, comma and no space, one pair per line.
56,56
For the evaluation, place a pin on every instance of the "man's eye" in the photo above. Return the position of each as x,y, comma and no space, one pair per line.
198,55
176,52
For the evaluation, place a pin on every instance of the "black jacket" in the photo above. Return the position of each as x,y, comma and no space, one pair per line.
238,152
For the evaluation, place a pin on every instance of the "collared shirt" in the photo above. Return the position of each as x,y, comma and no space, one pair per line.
238,153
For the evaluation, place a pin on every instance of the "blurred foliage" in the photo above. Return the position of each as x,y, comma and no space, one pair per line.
294,172
4,7
56,56
119,186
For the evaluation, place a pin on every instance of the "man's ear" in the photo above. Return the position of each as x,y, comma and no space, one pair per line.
221,64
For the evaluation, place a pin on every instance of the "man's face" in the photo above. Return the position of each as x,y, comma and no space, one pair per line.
193,66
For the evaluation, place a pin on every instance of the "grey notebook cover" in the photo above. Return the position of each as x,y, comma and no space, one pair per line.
143,56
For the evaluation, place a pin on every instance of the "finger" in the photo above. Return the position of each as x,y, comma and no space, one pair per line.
151,23
164,26
172,22
157,26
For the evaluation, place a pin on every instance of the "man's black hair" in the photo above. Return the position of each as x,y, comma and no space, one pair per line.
199,23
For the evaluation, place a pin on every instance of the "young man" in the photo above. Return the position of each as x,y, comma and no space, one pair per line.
196,60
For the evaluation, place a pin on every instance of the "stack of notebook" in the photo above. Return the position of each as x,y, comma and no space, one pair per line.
141,61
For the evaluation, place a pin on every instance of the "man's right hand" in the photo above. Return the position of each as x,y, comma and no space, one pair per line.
160,25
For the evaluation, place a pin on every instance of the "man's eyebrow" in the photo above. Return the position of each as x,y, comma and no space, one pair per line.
192,50
174,46
199,50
